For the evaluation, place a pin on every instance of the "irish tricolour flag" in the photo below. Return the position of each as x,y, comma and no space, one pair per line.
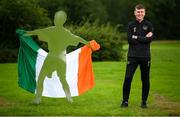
79,72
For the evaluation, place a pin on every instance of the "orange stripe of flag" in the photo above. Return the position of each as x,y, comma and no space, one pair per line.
85,71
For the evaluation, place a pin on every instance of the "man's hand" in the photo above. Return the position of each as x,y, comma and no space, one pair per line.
149,34
134,36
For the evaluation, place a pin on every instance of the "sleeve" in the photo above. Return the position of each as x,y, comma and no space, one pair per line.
145,39
129,35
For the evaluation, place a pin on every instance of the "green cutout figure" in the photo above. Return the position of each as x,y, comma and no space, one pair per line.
58,38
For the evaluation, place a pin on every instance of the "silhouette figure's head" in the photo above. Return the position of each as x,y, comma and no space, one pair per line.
60,18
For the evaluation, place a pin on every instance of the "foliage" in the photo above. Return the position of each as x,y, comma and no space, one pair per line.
32,14
106,35
8,55
19,14
51,6
164,14
78,11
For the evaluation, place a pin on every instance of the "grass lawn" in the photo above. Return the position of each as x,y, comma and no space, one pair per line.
106,96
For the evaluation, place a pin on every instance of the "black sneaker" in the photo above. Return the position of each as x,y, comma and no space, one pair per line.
124,104
143,104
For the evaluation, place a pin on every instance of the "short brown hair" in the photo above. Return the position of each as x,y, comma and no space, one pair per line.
139,6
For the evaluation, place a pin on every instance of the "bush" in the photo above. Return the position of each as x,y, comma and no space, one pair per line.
110,39
8,55
15,14
106,35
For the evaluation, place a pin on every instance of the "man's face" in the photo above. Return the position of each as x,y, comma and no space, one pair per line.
139,14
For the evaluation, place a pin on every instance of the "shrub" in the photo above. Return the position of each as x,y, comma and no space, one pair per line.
110,39
8,55
106,35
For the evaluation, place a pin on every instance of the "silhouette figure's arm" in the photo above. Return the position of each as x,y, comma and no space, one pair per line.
76,39
84,42
79,39
34,32
41,33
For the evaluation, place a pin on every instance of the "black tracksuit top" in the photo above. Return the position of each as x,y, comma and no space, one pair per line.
139,47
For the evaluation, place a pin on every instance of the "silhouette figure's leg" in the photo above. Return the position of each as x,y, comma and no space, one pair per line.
45,70
61,70
39,86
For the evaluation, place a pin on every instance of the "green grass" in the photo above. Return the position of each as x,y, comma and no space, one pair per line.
106,96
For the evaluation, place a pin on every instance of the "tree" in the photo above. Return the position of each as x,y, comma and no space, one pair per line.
51,6
165,17
19,14
78,11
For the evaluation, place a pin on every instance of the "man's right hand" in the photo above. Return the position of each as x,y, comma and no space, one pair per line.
134,36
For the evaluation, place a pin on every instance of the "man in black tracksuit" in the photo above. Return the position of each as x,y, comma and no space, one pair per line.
140,34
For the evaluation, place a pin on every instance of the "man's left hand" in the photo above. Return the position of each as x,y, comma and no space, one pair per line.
149,34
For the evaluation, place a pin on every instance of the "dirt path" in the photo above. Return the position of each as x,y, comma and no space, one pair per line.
172,107
3,101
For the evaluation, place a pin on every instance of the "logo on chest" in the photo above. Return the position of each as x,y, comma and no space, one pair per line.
134,29
145,27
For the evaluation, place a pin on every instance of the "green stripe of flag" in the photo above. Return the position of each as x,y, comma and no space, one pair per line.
27,61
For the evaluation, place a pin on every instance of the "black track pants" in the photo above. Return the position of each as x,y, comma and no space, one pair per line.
130,70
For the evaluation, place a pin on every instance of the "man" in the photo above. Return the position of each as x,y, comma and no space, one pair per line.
140,35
